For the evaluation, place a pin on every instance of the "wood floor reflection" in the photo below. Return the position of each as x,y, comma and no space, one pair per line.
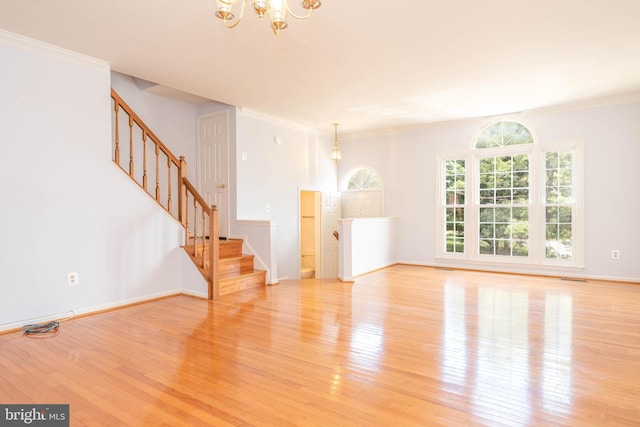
399,347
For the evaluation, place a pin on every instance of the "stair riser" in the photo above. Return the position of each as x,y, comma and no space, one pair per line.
230,248
235,266
240,283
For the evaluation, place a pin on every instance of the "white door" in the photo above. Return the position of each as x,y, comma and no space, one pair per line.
330,217
213,164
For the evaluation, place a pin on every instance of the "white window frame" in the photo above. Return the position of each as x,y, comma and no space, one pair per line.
441,205
378,192
537,217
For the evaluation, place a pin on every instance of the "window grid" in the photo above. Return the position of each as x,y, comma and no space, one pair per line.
504,134
559,205
504,205
455,172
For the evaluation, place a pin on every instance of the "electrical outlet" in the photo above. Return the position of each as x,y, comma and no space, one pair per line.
73,279
615,254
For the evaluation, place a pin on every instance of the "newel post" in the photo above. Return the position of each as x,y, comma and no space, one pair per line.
182,192
214,253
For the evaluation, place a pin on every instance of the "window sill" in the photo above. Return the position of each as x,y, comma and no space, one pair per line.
463,262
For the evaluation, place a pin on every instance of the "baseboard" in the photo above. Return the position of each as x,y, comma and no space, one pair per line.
90,311
587,278
194,294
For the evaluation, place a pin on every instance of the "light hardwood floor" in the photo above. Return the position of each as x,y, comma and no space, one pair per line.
399,347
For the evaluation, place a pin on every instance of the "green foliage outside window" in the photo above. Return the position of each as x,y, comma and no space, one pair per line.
503,134
504,211
454,202
559,204
364,179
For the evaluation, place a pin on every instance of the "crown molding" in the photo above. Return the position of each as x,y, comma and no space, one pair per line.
276,120
36,46
604,101
626,98
397,130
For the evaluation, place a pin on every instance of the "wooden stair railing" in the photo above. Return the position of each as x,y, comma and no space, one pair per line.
202,243
170,187
139,145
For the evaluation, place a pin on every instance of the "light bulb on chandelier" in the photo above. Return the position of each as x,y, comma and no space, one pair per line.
277,10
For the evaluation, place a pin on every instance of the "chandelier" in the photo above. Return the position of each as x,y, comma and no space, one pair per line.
336,154
277,10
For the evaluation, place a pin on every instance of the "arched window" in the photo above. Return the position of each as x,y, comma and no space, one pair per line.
363,195
503,134
510,199
364,179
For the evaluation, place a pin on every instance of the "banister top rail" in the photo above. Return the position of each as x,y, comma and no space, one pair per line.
201,201
120,102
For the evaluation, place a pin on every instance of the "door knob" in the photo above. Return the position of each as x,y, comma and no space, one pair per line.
221,186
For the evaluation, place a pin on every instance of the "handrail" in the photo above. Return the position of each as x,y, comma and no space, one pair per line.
169,179
142,124
191,189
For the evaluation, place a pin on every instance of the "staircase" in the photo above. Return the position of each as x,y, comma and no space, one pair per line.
164,177
235,270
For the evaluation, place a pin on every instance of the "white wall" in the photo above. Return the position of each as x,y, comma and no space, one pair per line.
260,240
65,206
611,135
272,175
366,244
362,203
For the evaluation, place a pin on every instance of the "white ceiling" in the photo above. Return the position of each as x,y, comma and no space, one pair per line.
365,64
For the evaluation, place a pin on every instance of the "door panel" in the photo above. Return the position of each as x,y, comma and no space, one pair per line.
330,216
213,164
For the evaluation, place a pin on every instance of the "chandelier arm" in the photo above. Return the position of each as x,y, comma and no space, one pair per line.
235,24
298,16
226,21
286,5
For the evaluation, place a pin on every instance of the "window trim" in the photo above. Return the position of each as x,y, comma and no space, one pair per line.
344,183
536,258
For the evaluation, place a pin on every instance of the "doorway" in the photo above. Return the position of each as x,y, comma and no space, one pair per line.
310,234
213,164
319,215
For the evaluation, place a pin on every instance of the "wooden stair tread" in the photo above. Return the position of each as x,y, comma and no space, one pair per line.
234,257
255,272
